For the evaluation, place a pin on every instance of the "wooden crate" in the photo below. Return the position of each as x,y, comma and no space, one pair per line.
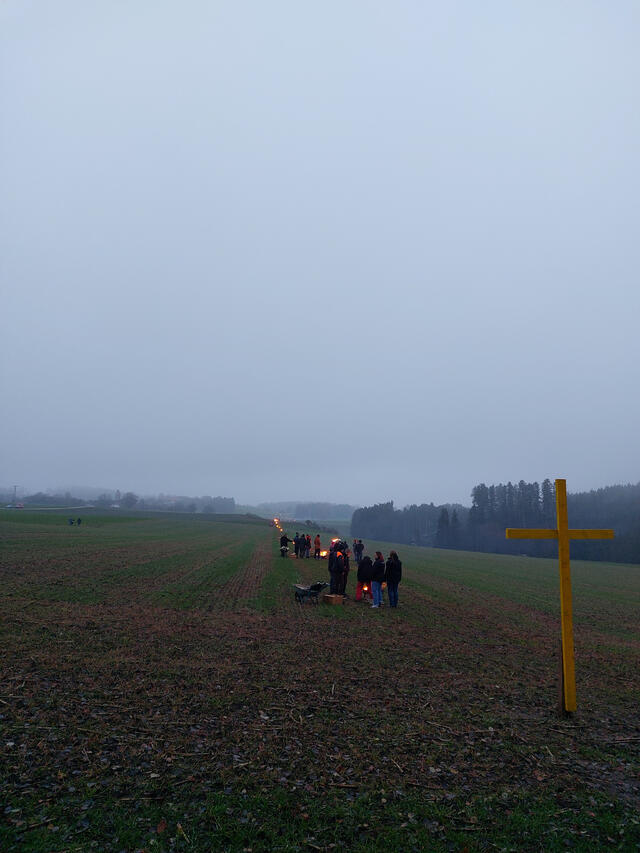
332,599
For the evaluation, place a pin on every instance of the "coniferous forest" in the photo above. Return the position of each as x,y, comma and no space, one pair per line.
494,508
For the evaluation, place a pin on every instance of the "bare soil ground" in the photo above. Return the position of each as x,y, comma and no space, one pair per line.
126,725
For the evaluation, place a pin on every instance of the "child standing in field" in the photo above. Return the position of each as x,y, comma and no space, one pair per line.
394,576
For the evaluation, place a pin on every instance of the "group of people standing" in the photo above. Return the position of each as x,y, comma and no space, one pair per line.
301,545
372,577
372,574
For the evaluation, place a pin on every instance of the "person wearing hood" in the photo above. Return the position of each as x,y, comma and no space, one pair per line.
394,576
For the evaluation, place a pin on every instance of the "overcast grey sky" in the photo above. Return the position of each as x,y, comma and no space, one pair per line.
351,251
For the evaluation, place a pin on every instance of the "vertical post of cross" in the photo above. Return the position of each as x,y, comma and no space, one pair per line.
564,535
566,607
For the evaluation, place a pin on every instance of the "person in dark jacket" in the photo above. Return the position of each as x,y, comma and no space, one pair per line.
336,570
394,576
345,571
377,579
284,544
365,571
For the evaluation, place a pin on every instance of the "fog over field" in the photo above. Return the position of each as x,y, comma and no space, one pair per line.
344,252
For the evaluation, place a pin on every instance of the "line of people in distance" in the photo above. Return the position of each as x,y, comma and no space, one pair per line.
372,576
302,545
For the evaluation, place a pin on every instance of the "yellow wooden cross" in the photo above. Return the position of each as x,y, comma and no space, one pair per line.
563,534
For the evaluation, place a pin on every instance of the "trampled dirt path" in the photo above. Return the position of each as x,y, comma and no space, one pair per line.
247,581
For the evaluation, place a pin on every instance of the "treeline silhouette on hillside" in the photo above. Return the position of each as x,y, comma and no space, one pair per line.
415,525
319,510
494,508
129,500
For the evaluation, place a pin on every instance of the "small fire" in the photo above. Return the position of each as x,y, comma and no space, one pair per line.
323,553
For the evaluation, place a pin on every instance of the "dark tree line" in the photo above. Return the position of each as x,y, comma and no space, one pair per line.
173,503
322,511
617,507
533,505
496,507
42,499
319,510
129,500
413,525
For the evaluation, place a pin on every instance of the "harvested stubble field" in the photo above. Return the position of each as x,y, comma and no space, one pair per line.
162,691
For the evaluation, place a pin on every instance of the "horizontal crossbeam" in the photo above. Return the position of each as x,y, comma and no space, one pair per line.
591,534
523,533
